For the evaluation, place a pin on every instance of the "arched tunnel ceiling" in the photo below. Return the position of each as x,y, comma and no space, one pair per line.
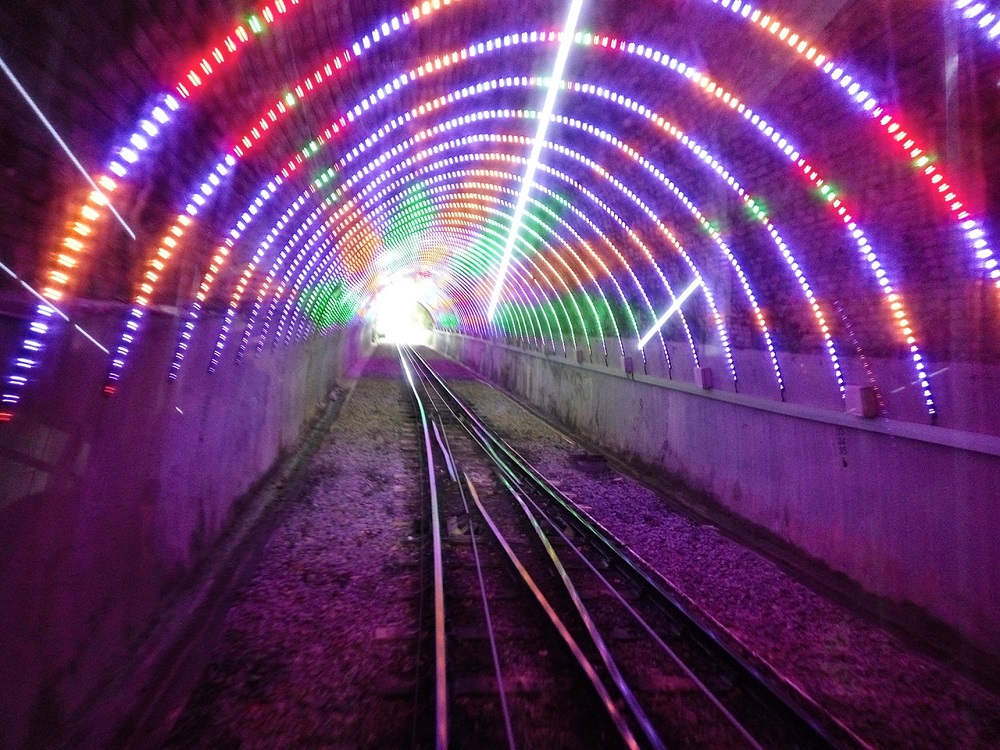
829,171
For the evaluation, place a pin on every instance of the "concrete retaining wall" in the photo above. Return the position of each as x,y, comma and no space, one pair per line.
907,511
108,505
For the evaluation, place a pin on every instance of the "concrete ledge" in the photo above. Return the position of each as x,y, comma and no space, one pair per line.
908,512
967,441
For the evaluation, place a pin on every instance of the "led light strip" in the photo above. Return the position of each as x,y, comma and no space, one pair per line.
199,196
698,151
482,192
775,139
580,188
495,227
388,89
11,394
972,228
537,250
254,262
127,155
717,93
227,49
157,265
496,175
626,227
246,277
528,308
531,326
985,18
709,229
347,237
222,253
621,187
264,123
406,168
46,309
152,125
462,178
892,126
454,190
260,296
537,272
755,207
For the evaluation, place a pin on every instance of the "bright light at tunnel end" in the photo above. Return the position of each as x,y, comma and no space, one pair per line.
670,311
565,44
398,310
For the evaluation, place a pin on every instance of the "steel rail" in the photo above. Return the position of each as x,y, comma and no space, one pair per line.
616,716
452,465
617,719
644,624
603,651
827,728
595,634
440,657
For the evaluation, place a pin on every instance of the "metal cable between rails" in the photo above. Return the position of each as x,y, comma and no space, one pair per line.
442,439
574,647
827,729
607,700
618,679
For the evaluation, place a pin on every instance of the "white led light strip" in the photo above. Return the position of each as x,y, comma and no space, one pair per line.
62,144
984,17
670,311
565,43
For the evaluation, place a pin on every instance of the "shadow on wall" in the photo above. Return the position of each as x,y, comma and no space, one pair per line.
107,505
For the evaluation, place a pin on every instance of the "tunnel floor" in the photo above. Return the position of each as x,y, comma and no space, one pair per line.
321,648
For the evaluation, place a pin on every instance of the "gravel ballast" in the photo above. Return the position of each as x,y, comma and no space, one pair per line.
319,650
888,692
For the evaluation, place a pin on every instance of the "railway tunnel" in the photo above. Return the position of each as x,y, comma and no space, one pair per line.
735,262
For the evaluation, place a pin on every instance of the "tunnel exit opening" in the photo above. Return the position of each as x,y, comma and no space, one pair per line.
399,316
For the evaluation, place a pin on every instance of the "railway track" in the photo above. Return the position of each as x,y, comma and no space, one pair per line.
547,632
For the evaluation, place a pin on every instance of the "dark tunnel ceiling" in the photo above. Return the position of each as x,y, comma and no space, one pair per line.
816,165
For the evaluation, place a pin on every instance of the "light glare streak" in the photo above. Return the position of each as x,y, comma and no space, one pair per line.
48,303
76,162
670,311
536,149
